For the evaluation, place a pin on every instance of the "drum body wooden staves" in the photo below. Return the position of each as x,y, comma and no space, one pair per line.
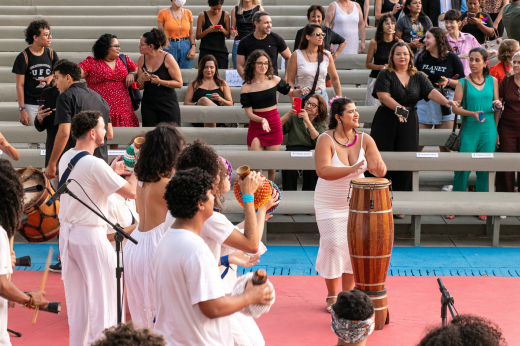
371,238
43,223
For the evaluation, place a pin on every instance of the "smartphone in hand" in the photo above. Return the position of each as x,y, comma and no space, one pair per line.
402,112
217,26
297,105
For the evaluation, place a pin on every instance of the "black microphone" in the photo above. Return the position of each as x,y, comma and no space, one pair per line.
34,188
57,194
24,261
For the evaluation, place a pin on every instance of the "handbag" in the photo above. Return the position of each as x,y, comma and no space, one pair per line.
135,94
313,90
492,43
453,142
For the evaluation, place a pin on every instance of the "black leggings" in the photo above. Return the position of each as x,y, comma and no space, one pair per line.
392,135
290,177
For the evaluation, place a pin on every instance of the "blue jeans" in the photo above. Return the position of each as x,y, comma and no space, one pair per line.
322,93
234,54
179,50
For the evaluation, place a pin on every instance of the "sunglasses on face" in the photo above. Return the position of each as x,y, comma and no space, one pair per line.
116,46
318,34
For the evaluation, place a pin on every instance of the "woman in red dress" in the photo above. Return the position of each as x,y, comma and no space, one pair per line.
107,75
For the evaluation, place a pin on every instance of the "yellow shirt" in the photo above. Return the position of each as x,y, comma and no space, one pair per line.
176,28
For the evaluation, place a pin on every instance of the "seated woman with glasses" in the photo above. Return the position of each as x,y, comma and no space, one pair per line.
259,100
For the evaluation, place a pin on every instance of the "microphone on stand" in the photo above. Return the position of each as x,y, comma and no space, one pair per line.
57,194
34,188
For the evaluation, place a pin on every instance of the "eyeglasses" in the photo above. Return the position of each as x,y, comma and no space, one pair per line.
116,46
311,105
317,34
259,63
47,34
389,24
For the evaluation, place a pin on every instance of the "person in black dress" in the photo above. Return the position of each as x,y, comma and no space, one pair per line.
213,36
158,74
401,86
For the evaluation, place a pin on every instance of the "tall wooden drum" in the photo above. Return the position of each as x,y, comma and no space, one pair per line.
370,240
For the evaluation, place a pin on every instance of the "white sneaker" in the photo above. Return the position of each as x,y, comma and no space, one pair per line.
503,217
447,188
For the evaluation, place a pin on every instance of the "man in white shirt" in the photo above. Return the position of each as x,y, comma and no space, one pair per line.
191,305
88,260
11,199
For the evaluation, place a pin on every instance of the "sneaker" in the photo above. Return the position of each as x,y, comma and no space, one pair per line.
503,216
447,188
55,268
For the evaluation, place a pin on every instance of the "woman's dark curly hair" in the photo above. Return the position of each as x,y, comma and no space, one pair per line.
338,106
249,68
322,109
159,153
185,190
126,335
353,305
34,29
380,31
308,30
200,73
199,154
443,46
156,37
83,122
465,330
11,197
102,45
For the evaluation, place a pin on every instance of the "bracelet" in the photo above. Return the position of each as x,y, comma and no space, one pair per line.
449,80
193,44
31,301
224,260
248,198
168,85
131,73
138,81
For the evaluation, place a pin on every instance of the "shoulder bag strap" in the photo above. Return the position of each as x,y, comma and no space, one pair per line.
320,60
123,59
71,166
26,59
51,54
465,101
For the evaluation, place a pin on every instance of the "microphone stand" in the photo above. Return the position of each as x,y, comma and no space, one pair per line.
118,237
446,302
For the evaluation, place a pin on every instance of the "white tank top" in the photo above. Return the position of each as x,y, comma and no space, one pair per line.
306,71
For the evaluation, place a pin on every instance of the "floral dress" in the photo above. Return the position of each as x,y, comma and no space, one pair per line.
110,84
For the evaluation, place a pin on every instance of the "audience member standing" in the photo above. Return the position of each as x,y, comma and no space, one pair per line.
413,24
504,68
478,24
509,123
434,8
213,36
346,18
480,105
259,100
511,18
242,23
383,7
208,89
262,38
399,88
303,65
495,8
177,22
33,69
378,52
107,75
443,68
302,130
159,76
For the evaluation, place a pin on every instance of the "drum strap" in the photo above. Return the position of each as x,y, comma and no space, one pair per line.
71,166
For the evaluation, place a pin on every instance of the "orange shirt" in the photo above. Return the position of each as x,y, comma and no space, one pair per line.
498,71
171,26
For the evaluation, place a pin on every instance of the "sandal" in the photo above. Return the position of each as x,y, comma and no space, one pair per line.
482,218
329,307
449,217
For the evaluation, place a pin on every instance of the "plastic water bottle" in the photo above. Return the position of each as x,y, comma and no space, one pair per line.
259,277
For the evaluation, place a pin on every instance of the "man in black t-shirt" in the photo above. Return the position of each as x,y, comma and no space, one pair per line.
74,98
33,69
262,38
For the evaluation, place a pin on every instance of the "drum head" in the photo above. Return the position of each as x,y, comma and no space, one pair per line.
371,181
31,177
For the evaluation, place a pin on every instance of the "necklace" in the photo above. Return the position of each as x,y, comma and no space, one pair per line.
344,145
308,57
401,71
175,19
247,20
473,81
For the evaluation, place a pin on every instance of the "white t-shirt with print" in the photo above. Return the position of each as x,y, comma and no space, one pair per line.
5,269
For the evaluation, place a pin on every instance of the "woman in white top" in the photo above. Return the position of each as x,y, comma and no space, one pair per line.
153,169
342,154
346,19
303,64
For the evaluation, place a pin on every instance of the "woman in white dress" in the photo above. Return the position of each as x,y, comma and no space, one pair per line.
153,169
342,154
346,19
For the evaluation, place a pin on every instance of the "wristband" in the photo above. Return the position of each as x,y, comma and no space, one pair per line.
224,261
132,73
248,198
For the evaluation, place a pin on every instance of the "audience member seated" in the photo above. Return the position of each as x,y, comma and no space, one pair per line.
302,130
480,106
504,68
413,24
125,334
158,77
242,23
302,71
495,8
213,36
384,7
208,89
345,17
353,318
378,52
511,18
465,330
477,23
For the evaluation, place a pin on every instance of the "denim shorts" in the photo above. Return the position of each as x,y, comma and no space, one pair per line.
429,112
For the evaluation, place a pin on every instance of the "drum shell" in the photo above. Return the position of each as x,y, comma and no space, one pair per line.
380,302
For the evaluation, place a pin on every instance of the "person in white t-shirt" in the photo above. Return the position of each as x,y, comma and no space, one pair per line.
87,258
11,199
191,305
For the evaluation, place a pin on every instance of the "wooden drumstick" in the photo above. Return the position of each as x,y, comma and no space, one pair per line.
42,286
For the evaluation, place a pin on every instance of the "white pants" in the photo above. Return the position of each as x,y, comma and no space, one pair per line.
32,111
245,331
88,273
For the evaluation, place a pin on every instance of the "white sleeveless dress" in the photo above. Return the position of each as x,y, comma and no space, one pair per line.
346,25
331,204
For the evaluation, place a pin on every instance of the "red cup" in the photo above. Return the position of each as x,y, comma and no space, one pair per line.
297,104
